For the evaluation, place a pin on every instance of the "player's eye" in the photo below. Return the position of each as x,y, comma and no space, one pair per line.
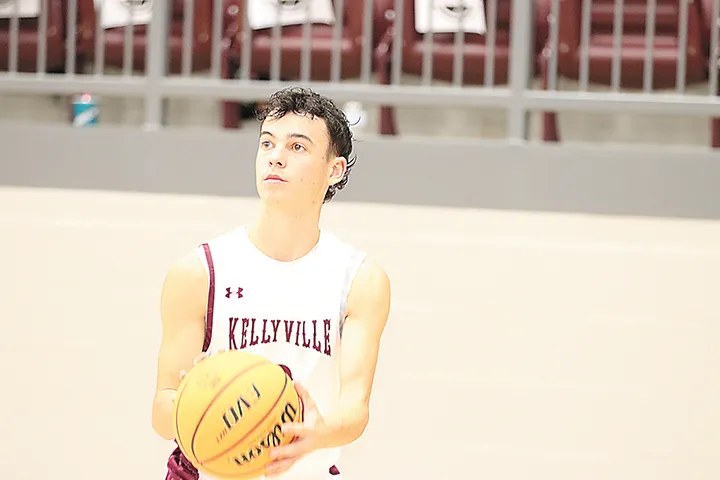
298,147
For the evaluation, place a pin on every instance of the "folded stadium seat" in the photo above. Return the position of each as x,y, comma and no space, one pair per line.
115,17
708,24
665,48
28,35
474,48
291,42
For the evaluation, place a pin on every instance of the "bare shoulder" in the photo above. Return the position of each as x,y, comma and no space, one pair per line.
185,287
370,290
372,276
189,267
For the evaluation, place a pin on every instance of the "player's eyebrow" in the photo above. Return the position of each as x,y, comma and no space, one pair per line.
290,135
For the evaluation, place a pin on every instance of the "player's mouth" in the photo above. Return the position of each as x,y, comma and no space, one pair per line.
274,179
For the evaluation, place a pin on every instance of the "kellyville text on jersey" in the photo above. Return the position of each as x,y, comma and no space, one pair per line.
302,333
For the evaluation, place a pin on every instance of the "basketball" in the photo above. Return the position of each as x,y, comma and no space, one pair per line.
229,412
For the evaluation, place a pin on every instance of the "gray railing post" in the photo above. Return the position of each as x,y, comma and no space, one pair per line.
522,36
156,65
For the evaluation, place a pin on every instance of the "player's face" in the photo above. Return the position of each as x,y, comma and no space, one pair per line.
292,161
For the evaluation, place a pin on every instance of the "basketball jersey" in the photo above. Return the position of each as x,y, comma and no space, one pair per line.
292,313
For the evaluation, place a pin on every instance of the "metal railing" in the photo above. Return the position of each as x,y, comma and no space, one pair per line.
209,49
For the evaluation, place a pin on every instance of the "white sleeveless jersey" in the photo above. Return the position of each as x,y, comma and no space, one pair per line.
289,312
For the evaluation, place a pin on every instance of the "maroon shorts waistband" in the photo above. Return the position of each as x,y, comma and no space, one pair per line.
180,468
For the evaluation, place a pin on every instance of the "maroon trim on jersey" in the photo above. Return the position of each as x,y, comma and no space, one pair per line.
211,298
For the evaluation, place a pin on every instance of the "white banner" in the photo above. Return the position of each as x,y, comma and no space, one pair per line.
25,8
268,13
450,16
121,13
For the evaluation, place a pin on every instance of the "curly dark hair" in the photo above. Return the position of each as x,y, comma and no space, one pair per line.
303,101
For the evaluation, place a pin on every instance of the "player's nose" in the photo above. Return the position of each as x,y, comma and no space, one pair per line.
276,159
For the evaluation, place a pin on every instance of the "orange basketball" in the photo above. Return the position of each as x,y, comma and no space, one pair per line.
229,411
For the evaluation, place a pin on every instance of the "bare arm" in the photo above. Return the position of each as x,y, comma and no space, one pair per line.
367,315
182,308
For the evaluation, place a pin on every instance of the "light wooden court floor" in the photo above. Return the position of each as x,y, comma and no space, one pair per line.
521,346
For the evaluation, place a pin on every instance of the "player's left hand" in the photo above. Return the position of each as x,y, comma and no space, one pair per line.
309,437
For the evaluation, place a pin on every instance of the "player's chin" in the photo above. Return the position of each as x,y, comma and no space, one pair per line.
278,190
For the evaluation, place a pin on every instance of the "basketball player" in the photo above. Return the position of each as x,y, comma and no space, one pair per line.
285,289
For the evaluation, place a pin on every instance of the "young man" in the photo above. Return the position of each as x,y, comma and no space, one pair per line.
286,290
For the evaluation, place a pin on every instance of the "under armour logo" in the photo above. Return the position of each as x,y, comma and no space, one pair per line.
238,292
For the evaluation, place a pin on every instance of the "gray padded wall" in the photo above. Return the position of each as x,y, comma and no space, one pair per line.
610,180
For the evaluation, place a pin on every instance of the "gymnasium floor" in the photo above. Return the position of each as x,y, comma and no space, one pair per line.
520,346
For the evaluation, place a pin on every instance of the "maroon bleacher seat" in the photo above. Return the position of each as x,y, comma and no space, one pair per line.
475,52
321,38
114,38
28,40
665,47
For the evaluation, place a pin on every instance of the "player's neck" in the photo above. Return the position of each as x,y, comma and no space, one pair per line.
285,235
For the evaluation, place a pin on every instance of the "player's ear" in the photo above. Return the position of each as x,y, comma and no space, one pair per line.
337,169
